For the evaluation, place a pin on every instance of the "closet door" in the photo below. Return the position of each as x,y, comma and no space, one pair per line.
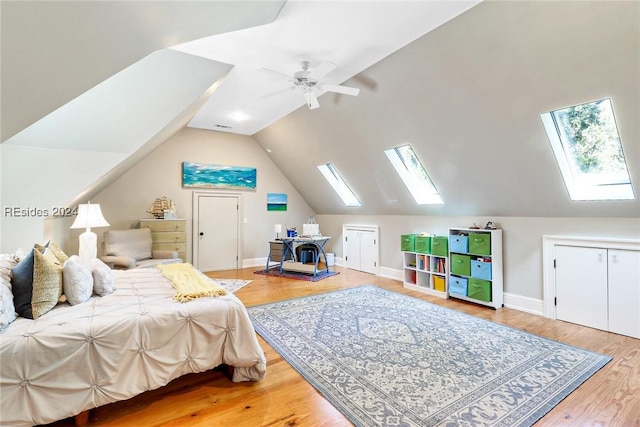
624,292
352,249
368,252
581,286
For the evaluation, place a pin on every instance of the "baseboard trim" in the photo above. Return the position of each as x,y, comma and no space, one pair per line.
391,273
254,262
522,303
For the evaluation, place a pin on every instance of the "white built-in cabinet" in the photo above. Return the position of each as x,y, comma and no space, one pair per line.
623,275
594,282
360,247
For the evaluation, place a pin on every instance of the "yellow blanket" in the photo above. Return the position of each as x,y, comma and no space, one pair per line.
189,282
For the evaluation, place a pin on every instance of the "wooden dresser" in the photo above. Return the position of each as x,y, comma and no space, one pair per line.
168,234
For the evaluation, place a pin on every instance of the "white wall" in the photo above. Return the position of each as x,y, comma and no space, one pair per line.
126,200
522,239
59,160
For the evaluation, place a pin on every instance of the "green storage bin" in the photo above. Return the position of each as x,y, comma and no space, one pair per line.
461,264
479,289
480,243
423,244
408,242
440,245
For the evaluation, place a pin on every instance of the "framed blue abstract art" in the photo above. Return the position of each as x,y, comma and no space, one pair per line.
199,175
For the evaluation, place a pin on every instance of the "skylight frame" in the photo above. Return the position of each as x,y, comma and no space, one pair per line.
414,176
583,186
339,185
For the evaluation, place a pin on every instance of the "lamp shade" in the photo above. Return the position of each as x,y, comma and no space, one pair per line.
89,216
277,228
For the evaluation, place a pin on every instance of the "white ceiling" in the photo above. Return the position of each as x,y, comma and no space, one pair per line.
343,32
467,95
54,51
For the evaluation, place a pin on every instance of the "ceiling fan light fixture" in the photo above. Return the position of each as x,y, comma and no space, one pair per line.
308,79
311,99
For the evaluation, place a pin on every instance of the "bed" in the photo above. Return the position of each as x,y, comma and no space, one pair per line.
117,346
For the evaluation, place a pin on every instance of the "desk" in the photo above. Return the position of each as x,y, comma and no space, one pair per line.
288,244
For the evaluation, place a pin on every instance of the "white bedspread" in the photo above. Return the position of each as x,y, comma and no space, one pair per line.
115,347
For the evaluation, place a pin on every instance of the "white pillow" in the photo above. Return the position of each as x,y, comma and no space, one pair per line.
103,280
7,309
7,262
77,280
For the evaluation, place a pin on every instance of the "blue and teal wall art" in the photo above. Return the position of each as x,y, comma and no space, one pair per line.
276,202
200,175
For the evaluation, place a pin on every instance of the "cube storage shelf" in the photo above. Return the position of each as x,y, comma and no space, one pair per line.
466,264
475,272
424,271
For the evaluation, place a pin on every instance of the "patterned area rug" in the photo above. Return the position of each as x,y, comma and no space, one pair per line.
275,271
231,285
387,359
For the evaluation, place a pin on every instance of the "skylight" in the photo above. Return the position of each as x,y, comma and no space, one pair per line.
333,177
415,177
587,146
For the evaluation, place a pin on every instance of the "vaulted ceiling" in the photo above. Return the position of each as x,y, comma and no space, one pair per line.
468,97
465,91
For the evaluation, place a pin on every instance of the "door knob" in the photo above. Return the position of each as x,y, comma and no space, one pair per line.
201,233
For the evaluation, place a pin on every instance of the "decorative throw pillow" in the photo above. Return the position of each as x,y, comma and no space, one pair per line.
47,283
59,254
22,285
103,280
7,309
77,281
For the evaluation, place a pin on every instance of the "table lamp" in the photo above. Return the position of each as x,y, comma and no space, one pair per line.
277,228
88,216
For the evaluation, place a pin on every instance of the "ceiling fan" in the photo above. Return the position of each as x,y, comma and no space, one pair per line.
308,80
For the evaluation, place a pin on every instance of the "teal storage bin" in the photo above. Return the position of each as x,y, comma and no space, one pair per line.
481,269
458,286
461,264
480,243
479,289
459,244
408,242
439,246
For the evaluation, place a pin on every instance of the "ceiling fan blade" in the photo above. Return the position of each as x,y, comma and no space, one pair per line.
277,92
312,101
322,70
277,74
346,90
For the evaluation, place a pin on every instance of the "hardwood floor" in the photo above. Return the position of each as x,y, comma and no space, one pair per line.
609,398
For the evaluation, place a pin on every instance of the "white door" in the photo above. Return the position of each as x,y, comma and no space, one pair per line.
361,249
624,292
368,252
352,249
216,232
581,286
